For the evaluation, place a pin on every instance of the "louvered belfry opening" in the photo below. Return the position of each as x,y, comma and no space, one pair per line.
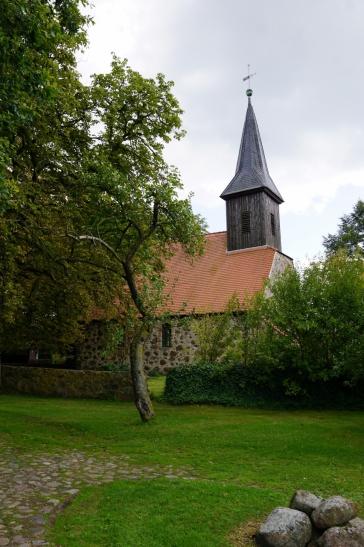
273,224
245,222
252,199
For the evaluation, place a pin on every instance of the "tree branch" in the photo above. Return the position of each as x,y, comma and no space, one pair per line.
103,243
128,271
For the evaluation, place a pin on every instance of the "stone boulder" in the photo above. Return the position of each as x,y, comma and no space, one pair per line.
285,528
351,535
334,511
304,501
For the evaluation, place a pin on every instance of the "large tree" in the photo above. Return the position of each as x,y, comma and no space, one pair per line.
44,133
133,213
89,208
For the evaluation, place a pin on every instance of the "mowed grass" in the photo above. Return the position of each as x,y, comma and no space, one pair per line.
156,386
247,462
159,513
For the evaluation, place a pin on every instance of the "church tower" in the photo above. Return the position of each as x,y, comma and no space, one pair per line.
252,199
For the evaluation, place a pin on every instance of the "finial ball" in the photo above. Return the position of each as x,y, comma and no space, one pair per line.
249,92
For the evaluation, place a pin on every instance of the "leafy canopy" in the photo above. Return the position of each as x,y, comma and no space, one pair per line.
309,330
79,166
350,234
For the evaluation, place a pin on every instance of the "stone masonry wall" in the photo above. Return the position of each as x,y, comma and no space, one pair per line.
92,354
88,384
182,351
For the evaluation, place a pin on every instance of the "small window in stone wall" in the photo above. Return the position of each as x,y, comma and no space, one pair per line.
166,335
273,224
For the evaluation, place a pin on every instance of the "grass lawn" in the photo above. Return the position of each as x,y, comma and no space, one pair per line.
156,386
247,462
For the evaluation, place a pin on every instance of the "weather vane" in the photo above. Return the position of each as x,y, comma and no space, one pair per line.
249,91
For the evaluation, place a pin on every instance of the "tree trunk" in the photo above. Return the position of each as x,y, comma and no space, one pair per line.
141,394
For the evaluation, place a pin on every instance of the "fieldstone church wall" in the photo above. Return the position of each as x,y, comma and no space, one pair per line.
93,354
90,352
181,351
94,351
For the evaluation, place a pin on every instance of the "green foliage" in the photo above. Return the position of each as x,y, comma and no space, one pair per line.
43,133
301,346
205,383
350,235
116,366
229,337
38,40
87,202
257,386
314,320
132,211
214,337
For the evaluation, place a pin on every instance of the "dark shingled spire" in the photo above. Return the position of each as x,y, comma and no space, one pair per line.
251,170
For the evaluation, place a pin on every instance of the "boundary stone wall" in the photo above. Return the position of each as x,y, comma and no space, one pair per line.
90,384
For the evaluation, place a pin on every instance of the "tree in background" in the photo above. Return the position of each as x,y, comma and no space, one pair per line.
44,134
350,234
314,321
309,331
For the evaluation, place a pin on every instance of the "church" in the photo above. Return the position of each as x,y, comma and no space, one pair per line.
236,262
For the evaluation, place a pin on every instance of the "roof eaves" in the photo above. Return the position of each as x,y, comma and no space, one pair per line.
227,195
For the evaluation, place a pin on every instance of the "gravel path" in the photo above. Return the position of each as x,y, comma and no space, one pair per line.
35,487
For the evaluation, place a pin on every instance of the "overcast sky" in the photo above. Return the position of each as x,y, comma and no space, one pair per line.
308,96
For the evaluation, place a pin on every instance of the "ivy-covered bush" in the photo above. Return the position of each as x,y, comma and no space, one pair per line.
236,385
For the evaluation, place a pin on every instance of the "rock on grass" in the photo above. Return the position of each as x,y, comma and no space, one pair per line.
305,501
285,528
351,535
334,511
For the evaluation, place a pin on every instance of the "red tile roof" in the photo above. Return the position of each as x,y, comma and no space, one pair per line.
206,283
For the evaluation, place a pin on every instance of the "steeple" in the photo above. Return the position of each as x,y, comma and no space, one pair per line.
251,168
252,198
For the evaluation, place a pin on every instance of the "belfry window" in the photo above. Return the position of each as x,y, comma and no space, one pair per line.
166,335
273,224
245,222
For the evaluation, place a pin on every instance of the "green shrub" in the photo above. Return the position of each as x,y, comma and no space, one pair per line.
302,346
255,386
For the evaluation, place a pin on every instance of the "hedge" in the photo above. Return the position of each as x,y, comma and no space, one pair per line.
236,385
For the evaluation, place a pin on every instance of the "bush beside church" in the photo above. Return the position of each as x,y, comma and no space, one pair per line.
236,385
